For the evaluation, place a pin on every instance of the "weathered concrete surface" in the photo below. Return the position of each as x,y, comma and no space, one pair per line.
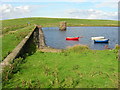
63,26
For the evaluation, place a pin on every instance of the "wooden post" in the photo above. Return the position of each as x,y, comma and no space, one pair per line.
63,26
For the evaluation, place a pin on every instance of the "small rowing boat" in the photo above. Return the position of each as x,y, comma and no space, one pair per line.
101,41
97,38
72,38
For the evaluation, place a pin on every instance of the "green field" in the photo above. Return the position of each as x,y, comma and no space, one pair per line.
78,67
12,39
74,68
46,22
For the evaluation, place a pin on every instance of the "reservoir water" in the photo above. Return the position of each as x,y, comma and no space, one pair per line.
56,38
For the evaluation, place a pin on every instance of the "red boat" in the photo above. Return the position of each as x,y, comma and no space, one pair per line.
72,38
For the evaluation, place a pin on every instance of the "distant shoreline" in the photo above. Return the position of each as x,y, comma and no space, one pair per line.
93,26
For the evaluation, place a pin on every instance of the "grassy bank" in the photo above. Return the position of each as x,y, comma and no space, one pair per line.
74,68
12,28
12,39
53,22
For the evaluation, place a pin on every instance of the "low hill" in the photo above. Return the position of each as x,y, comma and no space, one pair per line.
55,21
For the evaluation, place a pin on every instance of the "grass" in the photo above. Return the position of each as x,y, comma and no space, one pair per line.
72,68
76,67
12,28
53,22
12,39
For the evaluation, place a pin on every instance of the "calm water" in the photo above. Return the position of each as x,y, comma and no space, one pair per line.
56,38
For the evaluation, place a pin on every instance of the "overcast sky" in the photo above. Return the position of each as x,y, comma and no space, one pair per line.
81,9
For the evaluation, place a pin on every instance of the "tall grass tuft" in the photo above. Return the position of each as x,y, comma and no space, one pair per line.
117,47
77,48
11,69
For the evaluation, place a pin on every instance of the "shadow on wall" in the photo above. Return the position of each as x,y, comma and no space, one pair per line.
29,48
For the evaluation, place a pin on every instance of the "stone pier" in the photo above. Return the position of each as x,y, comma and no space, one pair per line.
63,26
41,38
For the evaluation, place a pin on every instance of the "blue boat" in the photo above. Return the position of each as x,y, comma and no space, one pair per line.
101,41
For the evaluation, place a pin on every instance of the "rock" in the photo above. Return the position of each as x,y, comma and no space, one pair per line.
63,26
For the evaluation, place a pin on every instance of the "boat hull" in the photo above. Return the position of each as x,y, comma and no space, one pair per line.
72,38
101,41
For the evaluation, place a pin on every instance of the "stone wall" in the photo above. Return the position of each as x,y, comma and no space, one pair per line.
28,45
42,43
